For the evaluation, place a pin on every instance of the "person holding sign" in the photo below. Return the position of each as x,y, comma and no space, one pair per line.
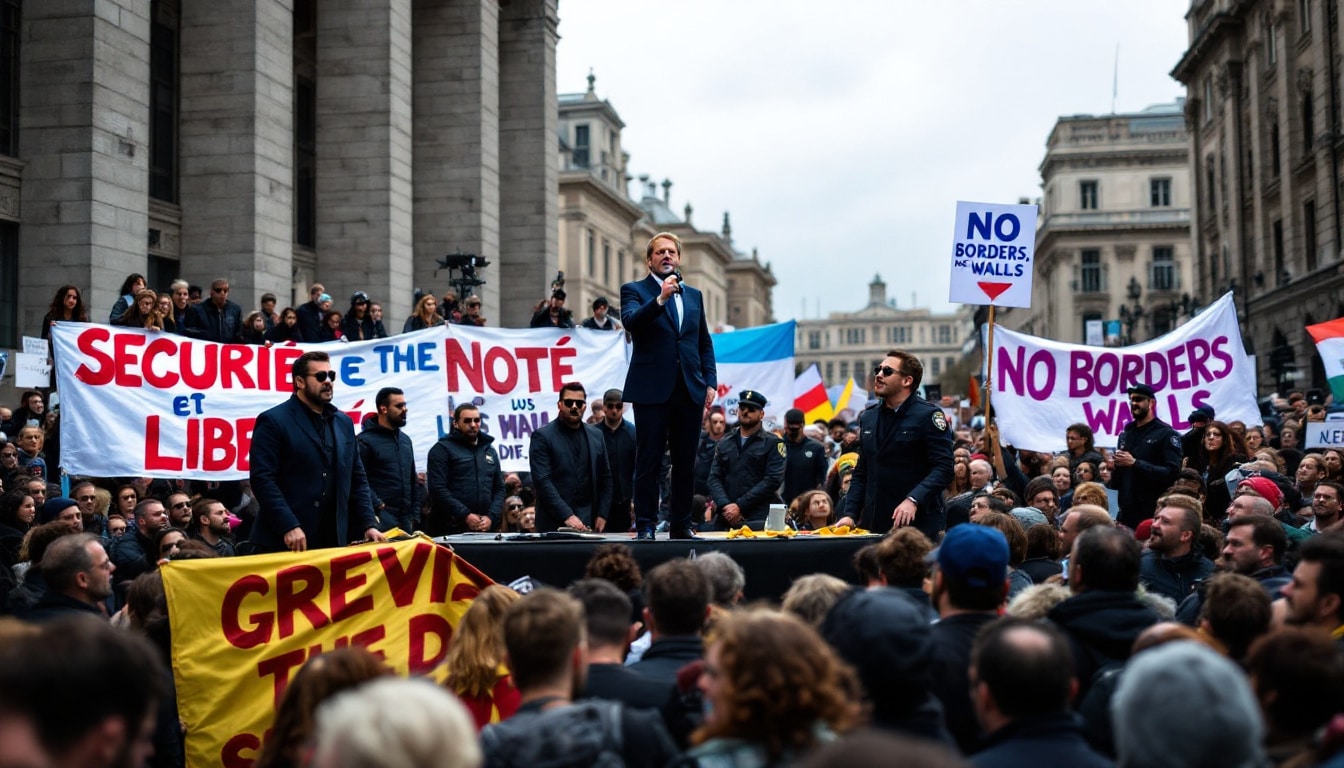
906,460
306,473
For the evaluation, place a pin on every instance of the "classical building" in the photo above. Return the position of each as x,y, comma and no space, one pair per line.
1266,148
1113,235
604,233
275,142
846,344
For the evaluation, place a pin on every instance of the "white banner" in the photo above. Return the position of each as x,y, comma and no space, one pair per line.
1041,386
150,404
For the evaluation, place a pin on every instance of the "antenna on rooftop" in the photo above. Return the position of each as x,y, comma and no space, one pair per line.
1115,78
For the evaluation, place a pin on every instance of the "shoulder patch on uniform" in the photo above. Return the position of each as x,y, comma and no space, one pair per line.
1176,440
780,447
940,420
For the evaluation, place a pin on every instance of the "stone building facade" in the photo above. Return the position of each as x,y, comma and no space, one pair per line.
1263,79
1113,235
275,143
846,344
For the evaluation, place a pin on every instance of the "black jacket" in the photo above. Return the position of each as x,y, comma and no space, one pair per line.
913,460
1156,448
804,467
463,479
1174,577
211,323
617,682
389,462
310,322
1038,741
55,605
950,661
621,456
1101,627
556,475
748,473
666,656
1273,579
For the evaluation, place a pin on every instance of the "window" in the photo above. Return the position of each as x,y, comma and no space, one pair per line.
1272,43
160,272
936,366
861,369
592,253
305,123
1163,277
1309,233
1090,274
163,101
9,81
1087,195
1162,321
1206,109
830,371
944,335
854,336
1280,275
1159,193
1308,122
899,334
814,339
1209,181
1304,16
580,153
1274,149
606,260
844,370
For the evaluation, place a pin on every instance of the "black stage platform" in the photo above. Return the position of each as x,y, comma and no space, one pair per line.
771,564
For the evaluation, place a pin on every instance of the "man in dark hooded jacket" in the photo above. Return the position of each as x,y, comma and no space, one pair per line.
389,461
1105,615
466,486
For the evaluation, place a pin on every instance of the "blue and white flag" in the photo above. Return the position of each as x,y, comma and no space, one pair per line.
760,359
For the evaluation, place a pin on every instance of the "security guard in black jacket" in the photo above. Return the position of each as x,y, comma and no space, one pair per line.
1147,458
748,468
905,461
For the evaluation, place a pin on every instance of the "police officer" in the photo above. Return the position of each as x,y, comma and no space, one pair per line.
1147,459
906,456
748,467
805,466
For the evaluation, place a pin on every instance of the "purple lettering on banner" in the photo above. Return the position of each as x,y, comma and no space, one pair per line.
1199,355
1155,379
1176,362
1131,368
1011,370
1080,373
1106,373
1100,421
1221,354
1047,388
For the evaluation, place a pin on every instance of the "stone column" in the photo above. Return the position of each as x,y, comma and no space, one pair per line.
456,136
364,213
84,139
236,131
529,156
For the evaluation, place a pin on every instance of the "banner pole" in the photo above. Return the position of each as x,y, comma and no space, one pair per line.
989,366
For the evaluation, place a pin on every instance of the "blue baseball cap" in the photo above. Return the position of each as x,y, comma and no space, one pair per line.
974,555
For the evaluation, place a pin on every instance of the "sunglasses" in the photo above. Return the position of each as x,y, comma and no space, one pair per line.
182,505
579,404
886,370
129,496
466,420
322,376
512,507
219,290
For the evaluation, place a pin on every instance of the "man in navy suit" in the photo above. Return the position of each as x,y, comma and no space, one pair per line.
672,380
306,473
570,472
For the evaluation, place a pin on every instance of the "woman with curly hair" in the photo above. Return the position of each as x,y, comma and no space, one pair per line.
67,306
253,330
1221,451
17,513
143,313
319,679
812,510
773,691
287,329
476,670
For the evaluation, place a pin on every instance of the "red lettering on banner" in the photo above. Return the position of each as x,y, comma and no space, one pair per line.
195,364
153,459
231,755
213,444
532,356
290,598
497,369
343,582
126,359
85,342
402,582
424,628
438,585
560,370
278,667
202,379
458,365
233,365
260,630
158,347
493,357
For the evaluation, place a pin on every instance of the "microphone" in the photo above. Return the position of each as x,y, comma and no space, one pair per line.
677,274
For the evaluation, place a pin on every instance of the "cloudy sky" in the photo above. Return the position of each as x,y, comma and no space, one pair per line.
840,135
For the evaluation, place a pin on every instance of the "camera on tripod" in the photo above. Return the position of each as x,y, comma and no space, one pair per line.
466,263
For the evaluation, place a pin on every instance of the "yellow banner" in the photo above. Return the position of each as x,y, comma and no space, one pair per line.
242,627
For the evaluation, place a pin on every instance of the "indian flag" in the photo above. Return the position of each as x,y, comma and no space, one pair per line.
1330,346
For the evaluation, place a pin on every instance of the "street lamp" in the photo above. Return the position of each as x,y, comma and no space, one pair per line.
1130,314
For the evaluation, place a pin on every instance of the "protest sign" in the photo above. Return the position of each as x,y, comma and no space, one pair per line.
150,404
31,370
1323,434
33,345
242,627
993,254
1041,386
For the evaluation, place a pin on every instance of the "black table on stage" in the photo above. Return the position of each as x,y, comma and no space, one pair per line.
771,565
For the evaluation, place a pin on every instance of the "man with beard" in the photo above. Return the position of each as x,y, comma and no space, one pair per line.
130,550
906,460
1173,565
306,474
1325,506
671,381
1147,459
179,510
466,486
570,469
748,465
619,435
715,427
389,461
78,574
548,657
1315,596
1254,547
211,526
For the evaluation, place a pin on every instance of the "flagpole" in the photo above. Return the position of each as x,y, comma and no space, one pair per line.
989,367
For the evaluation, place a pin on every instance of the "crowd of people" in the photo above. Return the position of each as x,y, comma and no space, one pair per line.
1177,601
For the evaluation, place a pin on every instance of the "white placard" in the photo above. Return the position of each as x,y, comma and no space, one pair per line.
993,252
1323,434
31,370
35,346
1093,333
